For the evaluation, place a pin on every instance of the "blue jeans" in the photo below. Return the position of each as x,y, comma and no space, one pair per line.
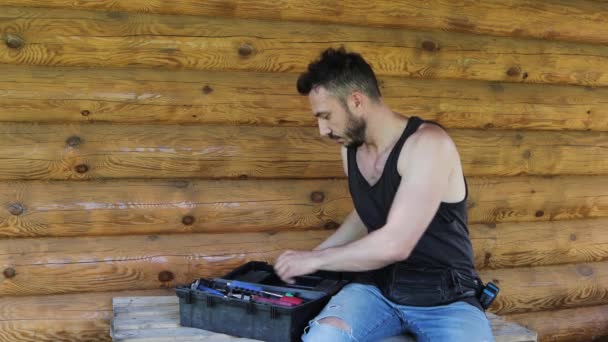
371,317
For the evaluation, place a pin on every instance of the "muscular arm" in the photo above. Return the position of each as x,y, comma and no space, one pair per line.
430,157
425,181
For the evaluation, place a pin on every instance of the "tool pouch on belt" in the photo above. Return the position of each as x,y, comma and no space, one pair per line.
406,285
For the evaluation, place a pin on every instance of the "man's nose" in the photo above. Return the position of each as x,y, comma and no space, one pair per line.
324,128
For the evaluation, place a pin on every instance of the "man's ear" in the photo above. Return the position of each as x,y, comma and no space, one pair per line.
355,102
358,99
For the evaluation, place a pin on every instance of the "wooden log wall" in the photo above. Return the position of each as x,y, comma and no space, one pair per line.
145,143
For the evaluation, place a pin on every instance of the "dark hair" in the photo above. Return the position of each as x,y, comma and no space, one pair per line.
341,73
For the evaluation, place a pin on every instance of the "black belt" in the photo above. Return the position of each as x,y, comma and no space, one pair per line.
425,286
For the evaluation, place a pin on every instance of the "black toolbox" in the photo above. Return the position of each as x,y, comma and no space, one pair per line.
261,321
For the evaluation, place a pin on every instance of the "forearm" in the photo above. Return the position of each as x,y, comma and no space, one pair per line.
351,229
371,252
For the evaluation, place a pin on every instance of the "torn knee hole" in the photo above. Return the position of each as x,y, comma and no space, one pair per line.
335,322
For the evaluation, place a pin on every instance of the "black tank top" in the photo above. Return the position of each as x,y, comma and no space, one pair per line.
445,243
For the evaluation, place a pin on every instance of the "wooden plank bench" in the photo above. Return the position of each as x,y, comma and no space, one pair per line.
156,319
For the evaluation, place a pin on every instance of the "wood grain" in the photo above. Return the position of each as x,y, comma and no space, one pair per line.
65,318
578,324
29,93
528,289
582,20
66,265
520,244
58,37
123,207
81,151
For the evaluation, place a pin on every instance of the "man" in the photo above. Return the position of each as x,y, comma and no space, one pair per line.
408,227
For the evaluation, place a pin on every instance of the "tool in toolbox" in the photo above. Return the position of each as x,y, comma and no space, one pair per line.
244,291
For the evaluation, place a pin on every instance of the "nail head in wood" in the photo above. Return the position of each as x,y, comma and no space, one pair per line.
188,220
85,112
539,213
82,168
317,196
9,273
14,41
207,89
165,276
16,209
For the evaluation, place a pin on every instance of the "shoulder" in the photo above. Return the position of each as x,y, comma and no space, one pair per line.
430,143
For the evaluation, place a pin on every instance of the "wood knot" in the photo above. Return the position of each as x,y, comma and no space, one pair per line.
527,154
82,168
14,41
584,270
589,112
429,46
207,90
85,113
317,196
188,220
331,225
245,50
525,75
16,209
489,125
572,237
9,273
487,258
513,71
539,213
165,276
73,141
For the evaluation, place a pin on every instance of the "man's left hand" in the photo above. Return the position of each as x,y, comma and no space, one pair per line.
292,264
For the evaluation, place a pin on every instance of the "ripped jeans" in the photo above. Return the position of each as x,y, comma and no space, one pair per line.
371,317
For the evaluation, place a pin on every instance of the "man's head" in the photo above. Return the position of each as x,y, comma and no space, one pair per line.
341,87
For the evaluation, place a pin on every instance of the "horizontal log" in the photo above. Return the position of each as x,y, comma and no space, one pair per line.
583,21
66,318
122,207
42,36
29,93
527,289
578,324
66,265
80,151
519,244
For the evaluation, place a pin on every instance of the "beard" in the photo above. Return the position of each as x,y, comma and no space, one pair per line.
355,130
